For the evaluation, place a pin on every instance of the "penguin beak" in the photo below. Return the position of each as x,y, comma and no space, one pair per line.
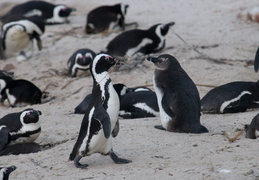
170,24
153,59
10,169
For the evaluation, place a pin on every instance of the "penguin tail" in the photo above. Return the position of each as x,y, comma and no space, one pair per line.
203,129
72,156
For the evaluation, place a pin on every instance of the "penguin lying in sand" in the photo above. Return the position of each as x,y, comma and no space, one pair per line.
231,98
177,96
5,172
21,127
100,122
17,38
139,42
48,12
80,59
252,128
106,18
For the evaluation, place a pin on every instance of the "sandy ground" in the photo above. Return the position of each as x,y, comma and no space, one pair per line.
210,26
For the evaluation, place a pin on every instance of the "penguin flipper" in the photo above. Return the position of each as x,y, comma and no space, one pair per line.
239,106
256,61
4,137
101,115
116,129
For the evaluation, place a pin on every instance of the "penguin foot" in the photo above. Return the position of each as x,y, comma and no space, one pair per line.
159,127
79,165
118,160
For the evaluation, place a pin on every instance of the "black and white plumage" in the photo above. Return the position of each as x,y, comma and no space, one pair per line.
139,42
100,122
252,128
21,127
256,61
80,59
231,98
19,92
5,172
48,12
177,96
17,38
140,103
106,18
121,89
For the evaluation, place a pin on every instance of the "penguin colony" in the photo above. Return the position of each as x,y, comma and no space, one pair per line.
175,101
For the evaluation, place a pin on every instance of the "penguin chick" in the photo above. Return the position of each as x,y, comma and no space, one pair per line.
6,171
106,18
177,96
252,128
17,38
232,97
139,42
21,127
48,12
80,59
100,122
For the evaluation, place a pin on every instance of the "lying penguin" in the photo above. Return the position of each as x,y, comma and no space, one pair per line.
48,12
6,171
20,92
80,59
231,98
21,127
177,96
100,122
252,128
106,18
139,42
17,38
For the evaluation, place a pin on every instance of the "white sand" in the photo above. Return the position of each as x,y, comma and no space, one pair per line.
155,154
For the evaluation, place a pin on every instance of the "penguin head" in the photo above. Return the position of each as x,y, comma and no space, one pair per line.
163,61
124,8
64,11
30,116
5,171
84,59
161,28
121,89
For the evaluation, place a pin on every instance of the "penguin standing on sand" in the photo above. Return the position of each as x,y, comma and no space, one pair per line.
21,127
232,97
106,18
100,122
5,172
80,59
17,38
177,96
49,13
139,42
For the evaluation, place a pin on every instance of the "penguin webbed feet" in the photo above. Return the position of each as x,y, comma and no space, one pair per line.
78,164
118,160
160,127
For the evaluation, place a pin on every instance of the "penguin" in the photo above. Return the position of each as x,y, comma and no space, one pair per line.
121,89
17,38
139,104
6,171
80,59
177,96
20,92
256,61
100,122
106,18
232,97
136,42
252,128
20,127
48,12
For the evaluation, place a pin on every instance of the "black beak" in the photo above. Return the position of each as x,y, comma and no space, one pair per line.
153,59
170,24
10,169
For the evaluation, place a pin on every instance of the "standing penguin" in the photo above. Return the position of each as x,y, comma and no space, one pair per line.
106,18
5,172
49,13
177,96
135,42
100,122
17,38
80,59
21,127
232,97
